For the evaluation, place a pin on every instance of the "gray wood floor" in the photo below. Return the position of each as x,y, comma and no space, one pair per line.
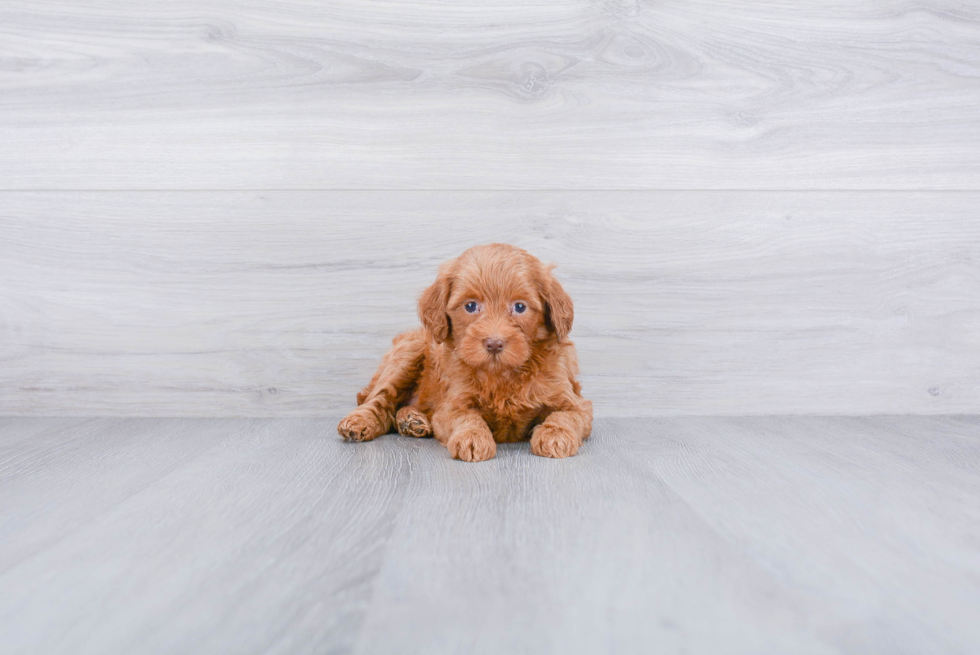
675,535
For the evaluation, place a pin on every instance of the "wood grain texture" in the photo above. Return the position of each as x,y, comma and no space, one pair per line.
688,535
85,467
282,303
607,94
266,537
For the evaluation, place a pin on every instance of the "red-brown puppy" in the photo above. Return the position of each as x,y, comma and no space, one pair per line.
492,363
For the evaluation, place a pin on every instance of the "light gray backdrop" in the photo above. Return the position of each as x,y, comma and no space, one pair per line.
212,208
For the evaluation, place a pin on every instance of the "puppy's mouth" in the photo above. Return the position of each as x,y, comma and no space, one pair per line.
495,360
492,355
495,364
492,360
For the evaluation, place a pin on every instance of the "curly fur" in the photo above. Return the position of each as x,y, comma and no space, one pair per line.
448,380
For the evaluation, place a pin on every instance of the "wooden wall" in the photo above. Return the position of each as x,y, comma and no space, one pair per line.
219,208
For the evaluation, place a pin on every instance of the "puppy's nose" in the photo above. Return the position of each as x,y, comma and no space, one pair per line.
494,344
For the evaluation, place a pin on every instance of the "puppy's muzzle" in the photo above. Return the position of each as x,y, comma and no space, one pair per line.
493,345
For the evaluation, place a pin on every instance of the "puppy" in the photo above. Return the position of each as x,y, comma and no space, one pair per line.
492,363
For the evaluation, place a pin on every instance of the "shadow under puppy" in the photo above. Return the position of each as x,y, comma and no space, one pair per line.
491,363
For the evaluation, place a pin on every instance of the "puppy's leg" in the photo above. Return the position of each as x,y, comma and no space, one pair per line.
464,433
391,384
563,431
412,422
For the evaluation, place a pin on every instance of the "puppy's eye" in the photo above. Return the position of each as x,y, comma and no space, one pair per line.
519,308
471,307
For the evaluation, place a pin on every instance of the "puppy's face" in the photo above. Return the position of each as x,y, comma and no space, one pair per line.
495,303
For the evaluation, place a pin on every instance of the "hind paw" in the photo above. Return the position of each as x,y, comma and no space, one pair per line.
412,423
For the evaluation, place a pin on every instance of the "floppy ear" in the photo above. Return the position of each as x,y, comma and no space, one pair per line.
559,310
432,306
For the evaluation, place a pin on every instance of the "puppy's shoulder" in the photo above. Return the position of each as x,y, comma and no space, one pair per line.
416,336
562,354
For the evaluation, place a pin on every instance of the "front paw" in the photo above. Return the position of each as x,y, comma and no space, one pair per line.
549,441
360,425
471,446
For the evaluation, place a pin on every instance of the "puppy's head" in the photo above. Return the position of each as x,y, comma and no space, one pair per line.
495,302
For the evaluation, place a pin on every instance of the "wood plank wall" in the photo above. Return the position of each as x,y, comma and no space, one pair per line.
229,208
